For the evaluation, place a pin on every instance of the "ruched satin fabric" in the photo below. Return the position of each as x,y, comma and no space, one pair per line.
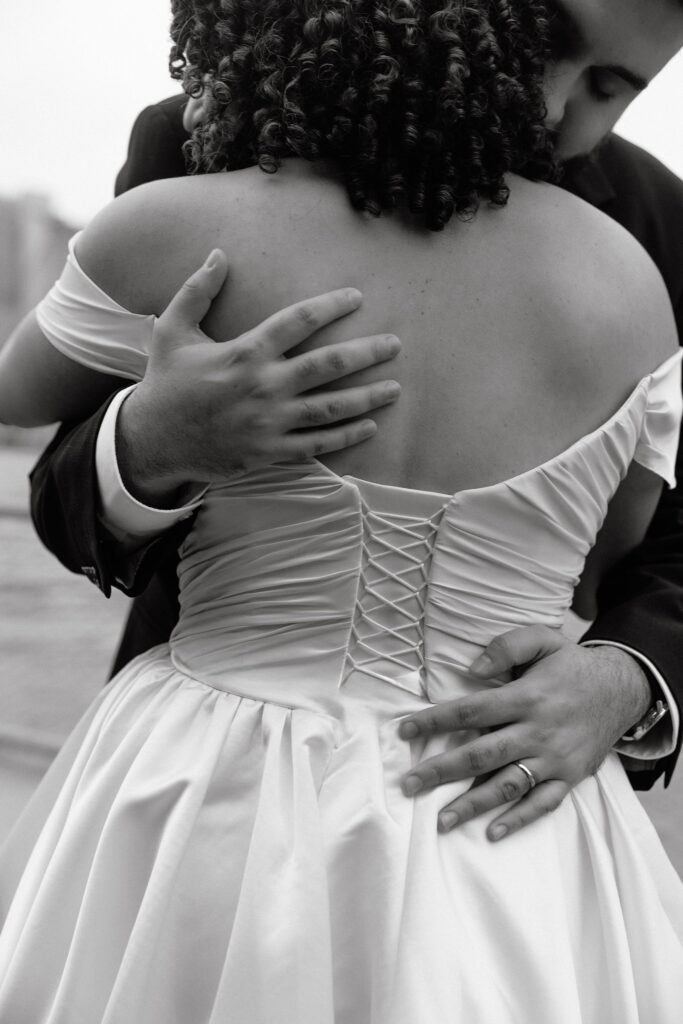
224,838
84,323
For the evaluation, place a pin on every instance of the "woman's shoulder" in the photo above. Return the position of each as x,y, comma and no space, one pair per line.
599,285
146,243
142,246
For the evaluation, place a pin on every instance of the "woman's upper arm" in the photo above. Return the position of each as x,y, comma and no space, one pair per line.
39,385
100,331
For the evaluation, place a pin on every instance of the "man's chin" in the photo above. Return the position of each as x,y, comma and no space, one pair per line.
571,164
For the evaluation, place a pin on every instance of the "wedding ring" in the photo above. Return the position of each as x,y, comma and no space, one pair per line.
528,772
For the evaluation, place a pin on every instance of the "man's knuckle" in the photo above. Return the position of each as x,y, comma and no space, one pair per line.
503,748
307,316
335,410
543,736
243,352
466,714
336,363
525,701
308,369
261,390
258,423
311,414
192,288
508,791
476,761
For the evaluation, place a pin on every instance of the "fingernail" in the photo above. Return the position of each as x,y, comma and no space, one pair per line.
408,730
481,665
498,831
353,295
412,785
447,820
368,428
213,259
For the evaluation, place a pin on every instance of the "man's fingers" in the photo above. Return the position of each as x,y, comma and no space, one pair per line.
334,406
495,707
292,325
516,648
332,362
191,303
506,785
309,444
545,798
485,754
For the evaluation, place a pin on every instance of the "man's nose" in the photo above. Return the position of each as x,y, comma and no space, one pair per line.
560,82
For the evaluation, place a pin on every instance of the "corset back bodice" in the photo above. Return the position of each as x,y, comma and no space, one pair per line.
297,583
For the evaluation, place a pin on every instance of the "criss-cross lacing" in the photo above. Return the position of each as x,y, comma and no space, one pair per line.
392,589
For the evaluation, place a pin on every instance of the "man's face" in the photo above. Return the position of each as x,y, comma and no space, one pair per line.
604,54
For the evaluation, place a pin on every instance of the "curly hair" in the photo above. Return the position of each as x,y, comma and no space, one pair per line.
424,104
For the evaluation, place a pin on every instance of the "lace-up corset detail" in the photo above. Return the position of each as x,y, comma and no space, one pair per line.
386,640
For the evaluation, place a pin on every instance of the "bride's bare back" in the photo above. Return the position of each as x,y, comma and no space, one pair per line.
522,330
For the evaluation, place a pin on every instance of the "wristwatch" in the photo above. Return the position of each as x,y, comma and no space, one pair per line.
649,720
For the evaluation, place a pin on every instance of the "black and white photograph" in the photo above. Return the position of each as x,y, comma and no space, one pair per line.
341,512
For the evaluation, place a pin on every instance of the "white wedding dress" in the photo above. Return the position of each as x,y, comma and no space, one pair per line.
223,839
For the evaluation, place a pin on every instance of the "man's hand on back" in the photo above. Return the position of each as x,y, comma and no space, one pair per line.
560,716
207,412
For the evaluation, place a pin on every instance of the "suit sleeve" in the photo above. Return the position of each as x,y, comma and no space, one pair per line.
65,513
640,601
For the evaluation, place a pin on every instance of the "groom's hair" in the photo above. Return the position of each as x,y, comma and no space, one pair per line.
425,105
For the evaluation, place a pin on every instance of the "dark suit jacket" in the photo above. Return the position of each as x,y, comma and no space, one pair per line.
641,603
155,147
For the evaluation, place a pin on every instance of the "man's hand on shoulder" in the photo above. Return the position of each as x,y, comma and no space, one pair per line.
207,412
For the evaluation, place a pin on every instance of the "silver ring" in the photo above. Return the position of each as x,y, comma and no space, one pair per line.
528,772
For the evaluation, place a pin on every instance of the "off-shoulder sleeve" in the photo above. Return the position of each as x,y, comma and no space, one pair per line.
659,436
88,326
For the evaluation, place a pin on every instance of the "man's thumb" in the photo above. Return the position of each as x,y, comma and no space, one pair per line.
192,302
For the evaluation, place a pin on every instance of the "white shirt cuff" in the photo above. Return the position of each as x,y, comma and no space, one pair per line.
663,737
126,518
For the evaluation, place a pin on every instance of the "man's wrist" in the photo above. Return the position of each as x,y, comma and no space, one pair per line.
658,736
145,459
634,684
128,520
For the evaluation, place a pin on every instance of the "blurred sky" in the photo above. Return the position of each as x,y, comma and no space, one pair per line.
74,73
